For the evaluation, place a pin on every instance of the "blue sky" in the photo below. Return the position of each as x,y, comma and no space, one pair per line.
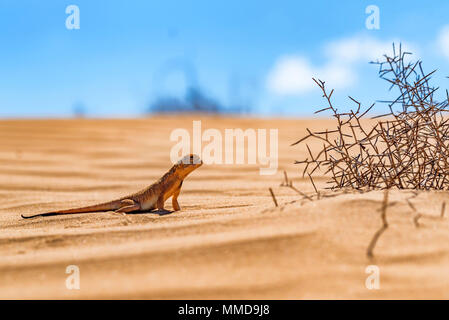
126,54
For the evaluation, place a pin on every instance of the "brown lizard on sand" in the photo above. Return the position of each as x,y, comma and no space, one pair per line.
147,199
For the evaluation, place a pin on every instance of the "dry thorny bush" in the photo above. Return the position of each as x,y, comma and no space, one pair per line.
407,149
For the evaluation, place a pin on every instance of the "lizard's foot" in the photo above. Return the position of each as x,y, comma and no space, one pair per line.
123,214
163,212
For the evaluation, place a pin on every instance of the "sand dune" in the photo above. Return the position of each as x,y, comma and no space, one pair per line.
229,241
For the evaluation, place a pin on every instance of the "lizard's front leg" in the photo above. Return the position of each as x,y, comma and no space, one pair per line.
174,199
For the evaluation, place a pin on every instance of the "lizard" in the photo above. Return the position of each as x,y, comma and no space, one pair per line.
152,197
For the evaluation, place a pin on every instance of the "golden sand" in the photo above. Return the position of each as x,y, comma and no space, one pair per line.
228,241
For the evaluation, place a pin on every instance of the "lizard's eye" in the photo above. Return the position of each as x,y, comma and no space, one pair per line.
194,159
190,159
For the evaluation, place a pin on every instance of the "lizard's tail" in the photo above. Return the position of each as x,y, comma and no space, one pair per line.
107,206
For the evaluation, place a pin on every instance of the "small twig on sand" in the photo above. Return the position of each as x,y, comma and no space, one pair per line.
379,232
416,220
289,184
313,183
301,193
443,208
273,196
410,204
286,179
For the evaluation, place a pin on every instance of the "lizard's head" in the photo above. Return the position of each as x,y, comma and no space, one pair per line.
187,164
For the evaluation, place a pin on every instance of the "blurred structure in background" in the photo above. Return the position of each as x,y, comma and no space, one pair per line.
195,100
241,94
79,109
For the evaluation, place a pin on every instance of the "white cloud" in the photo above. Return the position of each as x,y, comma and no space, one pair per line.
337,75
443,41
292,75
364,49
357,49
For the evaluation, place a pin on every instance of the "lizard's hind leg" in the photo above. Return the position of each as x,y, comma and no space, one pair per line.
128,206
